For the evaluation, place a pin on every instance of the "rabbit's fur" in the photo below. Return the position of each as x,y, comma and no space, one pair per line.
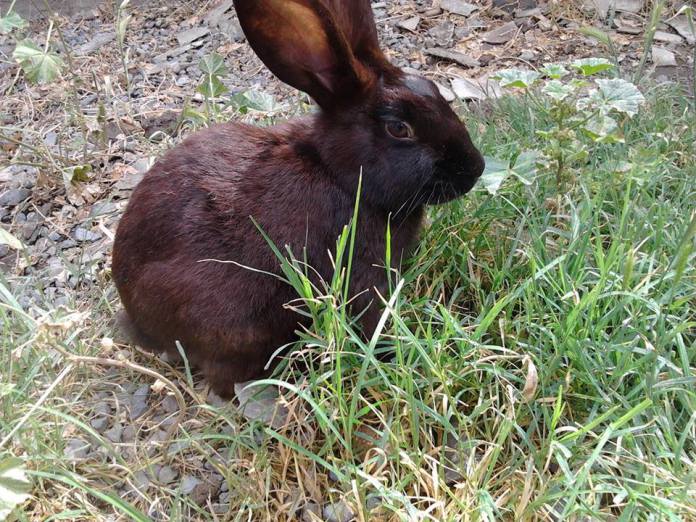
186,243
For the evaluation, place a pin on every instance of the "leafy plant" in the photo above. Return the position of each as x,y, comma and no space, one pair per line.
39,65
14,485
583,113
11,21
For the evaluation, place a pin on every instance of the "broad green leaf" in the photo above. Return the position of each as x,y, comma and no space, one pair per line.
516,78
525,167
80,173
8,239
38,65
11,21
254,100
620,95
590,66
14,485
613,95
557,90
213,65
212,87
603,129
555,71
495,173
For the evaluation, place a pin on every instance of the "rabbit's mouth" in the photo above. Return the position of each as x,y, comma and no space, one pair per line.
447,186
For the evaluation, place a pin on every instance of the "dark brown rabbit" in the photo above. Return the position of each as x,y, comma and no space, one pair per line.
298,180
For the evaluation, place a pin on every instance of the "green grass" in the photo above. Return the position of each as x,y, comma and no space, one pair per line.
545,365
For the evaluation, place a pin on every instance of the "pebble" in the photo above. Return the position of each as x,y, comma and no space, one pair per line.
338,512
115,433
167,474
311,512
458,7
138,401
82,234
99,423
76,449
14,197
188,484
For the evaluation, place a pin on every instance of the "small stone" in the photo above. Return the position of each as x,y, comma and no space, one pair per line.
128,434
188,484
99,423
527,56
76,449
446,92
311,513
442,33
261,404
466,89
169,404
231,29
373,502
141,480
338,512
460,58
54,236
191,35
82,234
629,6
671,38
682,26
501,35
14,197
661,57
167,474
114,434
138,401
410,24
458,7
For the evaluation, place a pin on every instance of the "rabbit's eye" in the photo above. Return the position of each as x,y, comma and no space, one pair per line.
399,130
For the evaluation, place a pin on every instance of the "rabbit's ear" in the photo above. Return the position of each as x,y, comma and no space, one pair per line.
356,21
301,42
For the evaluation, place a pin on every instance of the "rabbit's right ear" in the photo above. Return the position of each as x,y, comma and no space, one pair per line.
301,43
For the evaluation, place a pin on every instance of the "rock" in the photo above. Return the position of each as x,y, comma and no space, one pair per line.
169,404
311,513
138,401
114,434
446,92
191,35
661,57
128,434
373,502
141,480
76,449
101,208
231,29
261,404
466,89
214,15
629,6
681,25
129,181
509,6
628,25
167,475
671,38
99,423
455,56
14,197
501,35
188,484
99,40
527,56
458,7
338,512
410,24
442,33
84,235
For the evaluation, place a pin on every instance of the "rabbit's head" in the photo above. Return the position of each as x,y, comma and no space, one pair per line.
393,127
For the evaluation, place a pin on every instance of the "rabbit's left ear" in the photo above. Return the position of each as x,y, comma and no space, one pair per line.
302,43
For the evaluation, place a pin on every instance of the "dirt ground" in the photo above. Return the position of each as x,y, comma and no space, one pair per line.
66,218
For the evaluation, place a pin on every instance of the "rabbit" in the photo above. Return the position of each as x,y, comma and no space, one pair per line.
189,261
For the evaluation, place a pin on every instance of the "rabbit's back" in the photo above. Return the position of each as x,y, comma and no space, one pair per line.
186,243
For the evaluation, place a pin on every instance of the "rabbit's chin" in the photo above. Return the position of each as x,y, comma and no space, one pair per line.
444,191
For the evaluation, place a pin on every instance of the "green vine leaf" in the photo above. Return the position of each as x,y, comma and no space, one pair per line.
14,485
11,21
39,65
516,78
591,66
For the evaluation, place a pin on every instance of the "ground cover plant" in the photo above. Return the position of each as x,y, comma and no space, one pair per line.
544,343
